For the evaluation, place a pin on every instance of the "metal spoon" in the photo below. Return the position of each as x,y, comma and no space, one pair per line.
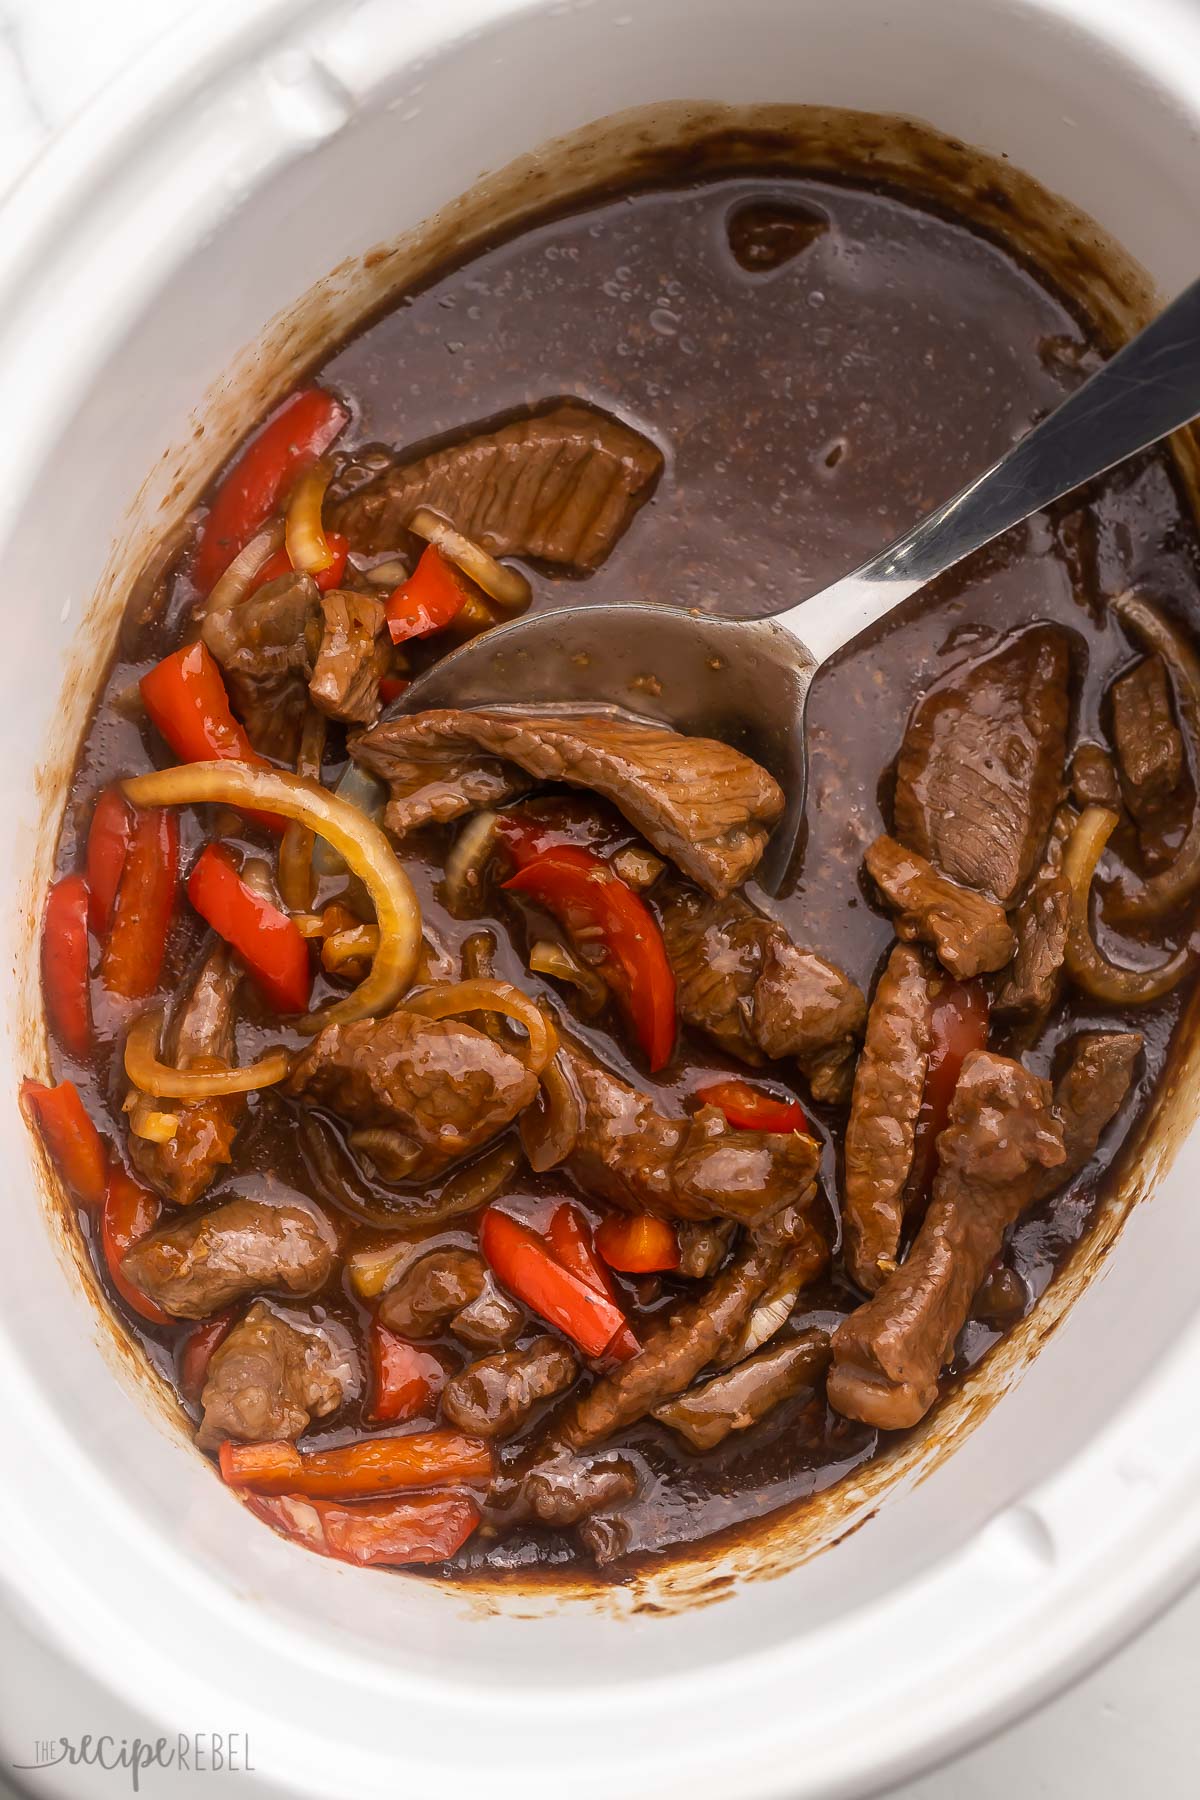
747,681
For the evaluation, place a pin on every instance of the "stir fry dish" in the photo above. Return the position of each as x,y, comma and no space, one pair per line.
502,1180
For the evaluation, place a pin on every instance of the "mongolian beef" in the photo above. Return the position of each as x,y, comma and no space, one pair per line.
502,1180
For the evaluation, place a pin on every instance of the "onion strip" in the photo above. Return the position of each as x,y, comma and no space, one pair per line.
507,587
164,1082
491,996
1087,966
359,842
233,586
304,533
550,1128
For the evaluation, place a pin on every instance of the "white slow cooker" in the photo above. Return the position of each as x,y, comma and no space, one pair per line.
145,268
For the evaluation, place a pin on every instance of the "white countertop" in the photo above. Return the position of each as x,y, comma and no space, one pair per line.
1133,1726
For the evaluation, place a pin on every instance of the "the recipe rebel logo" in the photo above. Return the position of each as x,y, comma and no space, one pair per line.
187,1753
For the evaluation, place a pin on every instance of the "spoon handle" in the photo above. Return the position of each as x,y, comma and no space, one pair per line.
1150,388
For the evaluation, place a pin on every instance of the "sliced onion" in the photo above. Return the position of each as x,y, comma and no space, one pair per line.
507,587
233,586
1087,966
304,532
492,996
466,865
356,943
164,1082
550,1128
368,796
360,843
390,574
549,958
296,848
155,1127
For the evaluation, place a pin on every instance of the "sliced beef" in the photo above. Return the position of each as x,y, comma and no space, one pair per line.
561,486
200,1264
431,1290
628,1154
496,1396
273,1375
703,1248
201,1036
420,1092
743,1395
1149,746
267,646
700,802
740,979
353,657
980,770
676,1348
562,1489
969,932
1032,981
491,1321
1001,1143
889,1085
1087,1097
1094,778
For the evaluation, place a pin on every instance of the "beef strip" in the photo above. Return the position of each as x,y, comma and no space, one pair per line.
353,657
969,933
562,1489
272,1376
631,1156
561,486
889,1085
740,979
1087,1097
743,1395
1000,1146
431,1290
980,769
267,646
198,1265
676,1348
491,1321
1094,777
698,801
1149,746
201,1036
703,1248
1032,981
496,1396
421,1092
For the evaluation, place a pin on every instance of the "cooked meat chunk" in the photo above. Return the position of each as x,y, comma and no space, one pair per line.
200,1264
805,1260
1087,1097
980,770
628,1154
201,1036
492,1321
561,486
1031,983
272,1376
675,1349
496,1396
353,657
1093,778
889,1085
563,1489
740,978
968,932
743,1395
431,1290
1002,1140
267,646
702,1248
1149,747
700,802
422,1092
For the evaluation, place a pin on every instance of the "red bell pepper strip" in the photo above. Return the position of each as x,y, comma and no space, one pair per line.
266,940
524,1264
257,483
391,687
197,1350
130,1214
187,703
593,904
137,941
281,564
434,594
425,1528
371,1466
637,1243
404,1377
570,1237
107,848
958,1025
72,1142
751,1109
65,964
